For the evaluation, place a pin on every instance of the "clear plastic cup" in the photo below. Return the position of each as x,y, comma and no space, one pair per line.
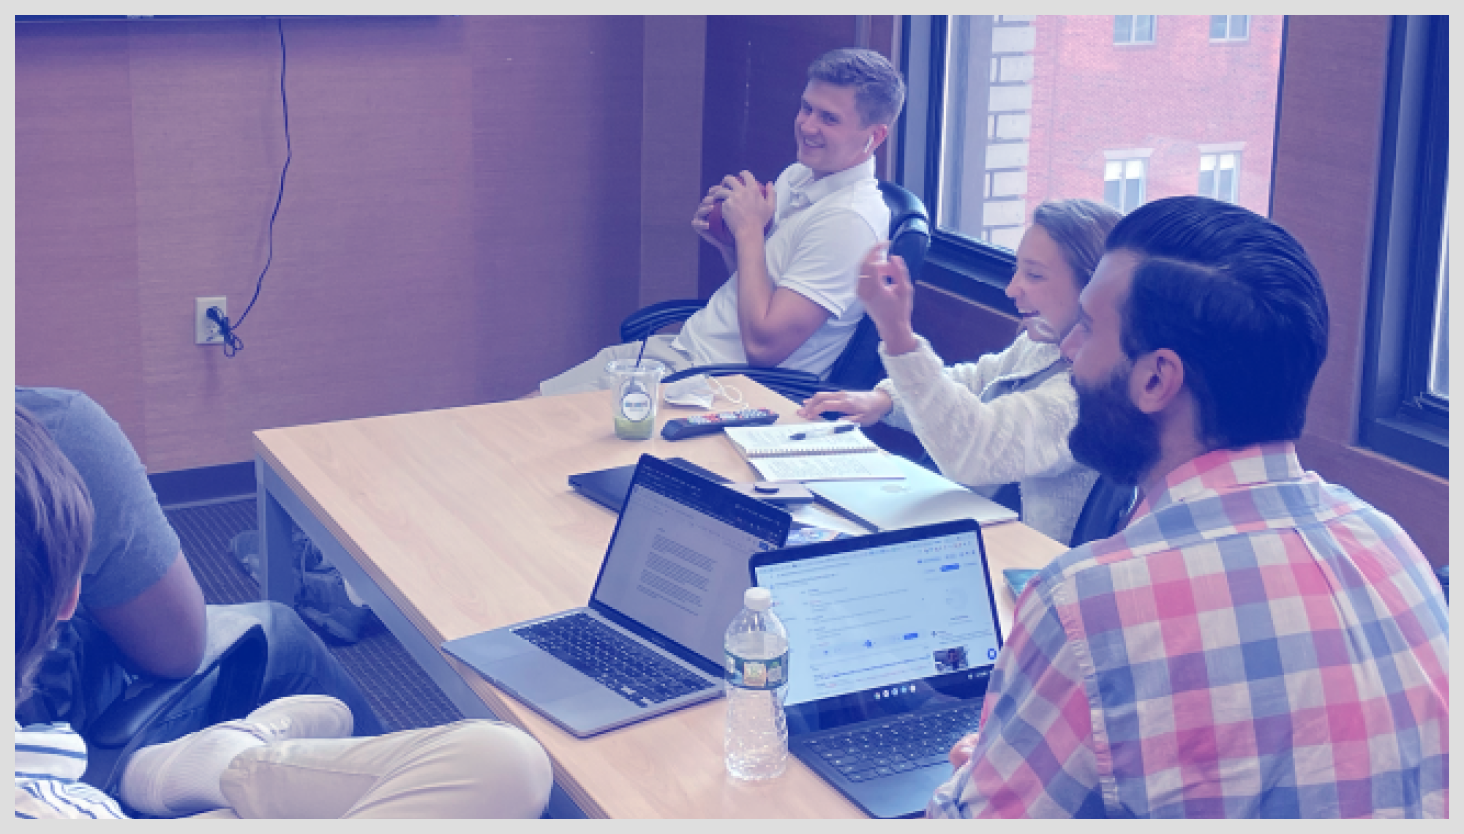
635,391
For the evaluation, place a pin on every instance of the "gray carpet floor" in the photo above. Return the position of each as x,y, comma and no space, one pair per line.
395,686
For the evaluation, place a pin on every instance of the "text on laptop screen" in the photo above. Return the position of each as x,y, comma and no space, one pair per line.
869,618
678,565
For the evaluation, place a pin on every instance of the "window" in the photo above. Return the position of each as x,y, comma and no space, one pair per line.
1219,176
1405,393
1133,28
1438,374
1229,27
1123,184
1006,111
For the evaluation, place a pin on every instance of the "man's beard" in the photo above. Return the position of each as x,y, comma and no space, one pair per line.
1112,435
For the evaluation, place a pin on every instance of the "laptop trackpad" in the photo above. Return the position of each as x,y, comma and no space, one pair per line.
539,678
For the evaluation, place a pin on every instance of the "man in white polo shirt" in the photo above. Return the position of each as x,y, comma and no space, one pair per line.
790,300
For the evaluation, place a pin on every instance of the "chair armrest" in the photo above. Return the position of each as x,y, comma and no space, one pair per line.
647,320
794,384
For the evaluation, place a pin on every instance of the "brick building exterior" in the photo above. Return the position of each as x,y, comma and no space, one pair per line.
1068,107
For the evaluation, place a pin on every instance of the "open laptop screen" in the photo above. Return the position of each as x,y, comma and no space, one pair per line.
678,561
887,622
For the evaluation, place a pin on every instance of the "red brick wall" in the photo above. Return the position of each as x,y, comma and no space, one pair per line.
1090,95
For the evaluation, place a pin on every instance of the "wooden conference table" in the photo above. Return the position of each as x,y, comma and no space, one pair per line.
455,521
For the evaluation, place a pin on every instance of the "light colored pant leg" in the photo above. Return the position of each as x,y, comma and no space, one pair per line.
591,376
468,769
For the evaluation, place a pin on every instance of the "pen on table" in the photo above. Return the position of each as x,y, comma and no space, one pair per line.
823,431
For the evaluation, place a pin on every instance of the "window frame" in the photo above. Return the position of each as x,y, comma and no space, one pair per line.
1124,161
1229,20
1153,30
1234,179
1399,416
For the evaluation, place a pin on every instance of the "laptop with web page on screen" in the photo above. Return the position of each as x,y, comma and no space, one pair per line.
892,640
650,640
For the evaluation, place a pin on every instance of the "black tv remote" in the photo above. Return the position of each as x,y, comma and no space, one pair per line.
684,427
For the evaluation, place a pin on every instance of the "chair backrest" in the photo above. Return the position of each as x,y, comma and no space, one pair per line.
1103,511
858,367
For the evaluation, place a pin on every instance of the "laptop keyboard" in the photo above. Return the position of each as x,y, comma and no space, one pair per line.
618,663
879,749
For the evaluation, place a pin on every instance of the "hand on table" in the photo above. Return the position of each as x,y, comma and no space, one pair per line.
862,407
889,298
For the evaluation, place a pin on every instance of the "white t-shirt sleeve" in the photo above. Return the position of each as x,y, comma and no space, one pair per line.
825,263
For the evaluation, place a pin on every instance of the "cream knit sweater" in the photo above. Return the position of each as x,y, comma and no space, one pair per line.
1019,435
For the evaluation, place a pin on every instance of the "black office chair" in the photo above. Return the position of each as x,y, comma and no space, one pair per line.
1103,512
134,722
858,367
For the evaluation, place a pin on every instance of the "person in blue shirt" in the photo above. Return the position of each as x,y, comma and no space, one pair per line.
291,758
141,614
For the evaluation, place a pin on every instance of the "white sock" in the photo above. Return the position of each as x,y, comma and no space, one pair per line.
186,780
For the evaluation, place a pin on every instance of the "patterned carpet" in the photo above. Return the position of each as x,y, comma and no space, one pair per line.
395,686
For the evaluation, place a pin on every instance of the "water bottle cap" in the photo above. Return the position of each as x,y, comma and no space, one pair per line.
758,599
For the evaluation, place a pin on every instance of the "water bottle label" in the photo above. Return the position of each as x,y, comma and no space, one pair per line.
635,405
767,673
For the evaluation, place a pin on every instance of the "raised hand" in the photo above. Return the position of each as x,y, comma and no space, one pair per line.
889,298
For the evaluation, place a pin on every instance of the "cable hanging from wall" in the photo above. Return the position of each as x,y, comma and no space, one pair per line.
229,331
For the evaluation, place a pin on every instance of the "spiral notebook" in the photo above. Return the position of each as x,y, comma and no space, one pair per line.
847,456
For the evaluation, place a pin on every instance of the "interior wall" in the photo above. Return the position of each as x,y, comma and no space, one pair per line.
462,215
671,155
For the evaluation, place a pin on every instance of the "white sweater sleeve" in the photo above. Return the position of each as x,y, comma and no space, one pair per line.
1016,436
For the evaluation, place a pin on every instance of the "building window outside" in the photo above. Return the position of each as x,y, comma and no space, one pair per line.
1219,176
1133,28
1229,27
1007,111
1123,184
1028,107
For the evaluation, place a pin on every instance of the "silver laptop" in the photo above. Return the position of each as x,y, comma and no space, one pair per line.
892,640
650,641
923,497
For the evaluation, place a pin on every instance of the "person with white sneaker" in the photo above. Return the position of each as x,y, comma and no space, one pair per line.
292,758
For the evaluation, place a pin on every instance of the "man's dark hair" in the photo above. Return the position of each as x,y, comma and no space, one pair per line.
53,524
1237,298
1079,228
879,92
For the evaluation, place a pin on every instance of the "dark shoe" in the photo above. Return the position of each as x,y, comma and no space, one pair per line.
325,606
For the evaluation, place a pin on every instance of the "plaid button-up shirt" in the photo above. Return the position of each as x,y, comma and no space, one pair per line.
1256,643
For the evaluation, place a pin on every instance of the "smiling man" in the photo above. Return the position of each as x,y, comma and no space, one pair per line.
794,257
1256,642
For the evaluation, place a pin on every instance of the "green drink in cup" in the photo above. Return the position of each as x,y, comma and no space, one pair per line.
635,391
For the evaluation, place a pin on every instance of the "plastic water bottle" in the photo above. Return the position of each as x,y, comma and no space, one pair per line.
757,682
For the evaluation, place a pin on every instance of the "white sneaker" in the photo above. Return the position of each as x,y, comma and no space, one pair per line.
298,716
182,776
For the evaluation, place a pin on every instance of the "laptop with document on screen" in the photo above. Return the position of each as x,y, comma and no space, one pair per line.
892,640
650,640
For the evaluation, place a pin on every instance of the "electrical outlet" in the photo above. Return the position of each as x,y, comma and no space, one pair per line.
205,330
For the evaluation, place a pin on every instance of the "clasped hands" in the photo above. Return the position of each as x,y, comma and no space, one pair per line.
746,205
